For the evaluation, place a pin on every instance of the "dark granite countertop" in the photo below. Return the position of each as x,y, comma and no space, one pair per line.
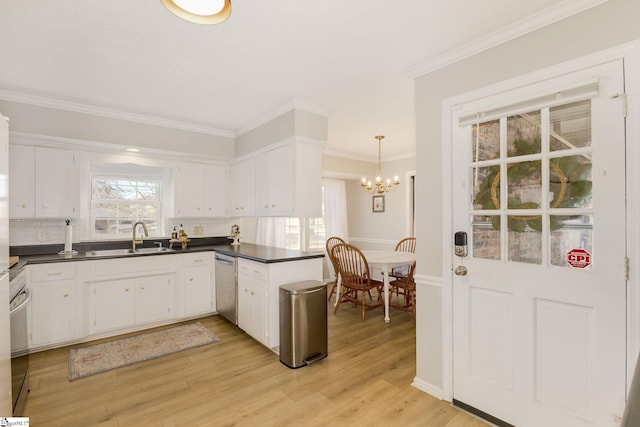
258,253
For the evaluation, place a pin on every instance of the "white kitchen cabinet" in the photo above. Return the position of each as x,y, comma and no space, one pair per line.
114,305
43,183
123,303
275,182
22,181
198,285
252,300
52,314
289,181
152,299
243,188
259,293
200,190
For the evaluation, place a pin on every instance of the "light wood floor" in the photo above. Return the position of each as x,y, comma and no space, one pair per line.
365,381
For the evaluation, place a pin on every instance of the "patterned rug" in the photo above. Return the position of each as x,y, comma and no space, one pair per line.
94,359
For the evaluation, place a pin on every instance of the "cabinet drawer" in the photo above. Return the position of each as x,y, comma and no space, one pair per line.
252,269
58,271
197,259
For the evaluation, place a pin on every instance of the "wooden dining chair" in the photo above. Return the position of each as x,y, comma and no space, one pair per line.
331,242
354,271
402,283
404,287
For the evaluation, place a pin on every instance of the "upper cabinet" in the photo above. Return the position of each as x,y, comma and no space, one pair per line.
200,190
288,181
242,198
42,183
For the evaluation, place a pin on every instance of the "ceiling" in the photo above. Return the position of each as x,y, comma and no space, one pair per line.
349,59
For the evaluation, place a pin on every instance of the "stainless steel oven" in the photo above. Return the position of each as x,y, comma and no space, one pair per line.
19,298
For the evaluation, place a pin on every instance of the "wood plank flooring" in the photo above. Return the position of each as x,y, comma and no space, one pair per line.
365,381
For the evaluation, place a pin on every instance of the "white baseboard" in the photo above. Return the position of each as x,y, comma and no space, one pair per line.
427,388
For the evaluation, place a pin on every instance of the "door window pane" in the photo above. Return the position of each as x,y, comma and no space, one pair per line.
486,236
524,241
569,232
524,185
570,182
484,197
486,141
570,126
523,134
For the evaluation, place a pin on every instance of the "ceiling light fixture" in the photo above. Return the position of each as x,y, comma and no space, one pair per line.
380,186
200,11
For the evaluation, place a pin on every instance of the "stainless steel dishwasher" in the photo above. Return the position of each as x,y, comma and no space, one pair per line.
227,287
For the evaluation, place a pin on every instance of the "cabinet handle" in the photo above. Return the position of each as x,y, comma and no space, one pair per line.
126,289
24,205
141,288
252,293
274,205
54,274
191,279
65,295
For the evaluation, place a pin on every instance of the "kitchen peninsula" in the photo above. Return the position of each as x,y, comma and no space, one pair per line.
107,290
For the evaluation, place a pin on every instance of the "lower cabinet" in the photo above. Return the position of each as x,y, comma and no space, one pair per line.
53,317
252,305
123,303
259,294
52,310
198,290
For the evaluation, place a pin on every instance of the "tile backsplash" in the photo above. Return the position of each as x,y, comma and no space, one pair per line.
44,232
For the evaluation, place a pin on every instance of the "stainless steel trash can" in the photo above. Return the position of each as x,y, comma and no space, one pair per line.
303,323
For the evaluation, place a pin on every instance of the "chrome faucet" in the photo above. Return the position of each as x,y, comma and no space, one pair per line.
146,233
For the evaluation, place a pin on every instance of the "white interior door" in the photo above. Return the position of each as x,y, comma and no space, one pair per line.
539,188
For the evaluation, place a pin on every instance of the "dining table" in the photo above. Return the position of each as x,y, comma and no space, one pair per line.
385,261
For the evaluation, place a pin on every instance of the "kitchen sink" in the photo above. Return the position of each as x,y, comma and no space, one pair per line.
121,252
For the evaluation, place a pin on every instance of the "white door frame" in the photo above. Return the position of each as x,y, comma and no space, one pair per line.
630,53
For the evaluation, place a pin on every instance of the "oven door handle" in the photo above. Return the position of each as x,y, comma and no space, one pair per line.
23,304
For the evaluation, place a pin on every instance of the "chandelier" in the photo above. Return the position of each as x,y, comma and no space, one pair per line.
380,186
200,12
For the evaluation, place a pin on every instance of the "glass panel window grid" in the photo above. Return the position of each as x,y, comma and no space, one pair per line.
118,203
307,234
540,168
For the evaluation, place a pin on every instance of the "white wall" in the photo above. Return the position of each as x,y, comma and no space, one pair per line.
610,24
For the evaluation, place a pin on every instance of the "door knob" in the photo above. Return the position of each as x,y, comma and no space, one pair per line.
460,270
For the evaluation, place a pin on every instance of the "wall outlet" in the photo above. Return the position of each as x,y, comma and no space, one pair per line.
197,230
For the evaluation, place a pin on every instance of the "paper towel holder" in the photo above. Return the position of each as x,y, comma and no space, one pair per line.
68,250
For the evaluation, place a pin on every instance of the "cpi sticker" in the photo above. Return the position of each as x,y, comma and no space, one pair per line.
578,258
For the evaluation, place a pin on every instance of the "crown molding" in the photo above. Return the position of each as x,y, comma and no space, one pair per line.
42,101
548,16
63,143
362,158
293,104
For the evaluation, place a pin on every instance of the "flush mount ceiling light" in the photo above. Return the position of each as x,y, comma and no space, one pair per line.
205,12
380,186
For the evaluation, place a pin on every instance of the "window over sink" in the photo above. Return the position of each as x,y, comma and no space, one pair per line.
121,196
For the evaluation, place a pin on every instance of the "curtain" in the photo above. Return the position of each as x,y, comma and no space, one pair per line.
335,212
271,232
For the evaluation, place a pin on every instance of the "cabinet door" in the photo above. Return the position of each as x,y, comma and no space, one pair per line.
215,191
152,299
22,181
252,308
53,312
188,190
56,183
243,188
113,304
197,290
275,182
